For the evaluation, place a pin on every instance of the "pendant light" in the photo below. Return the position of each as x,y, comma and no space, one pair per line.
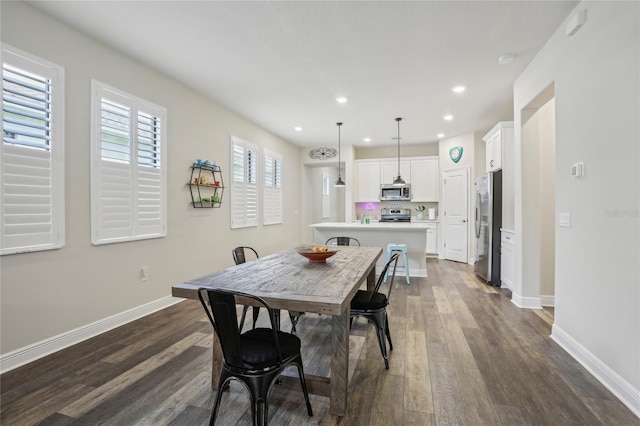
339,182
398,180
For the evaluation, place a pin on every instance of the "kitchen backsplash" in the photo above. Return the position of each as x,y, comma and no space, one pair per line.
372,209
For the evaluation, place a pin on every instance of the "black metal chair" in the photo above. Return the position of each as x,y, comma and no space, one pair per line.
343,241
240,256
372,305
255,358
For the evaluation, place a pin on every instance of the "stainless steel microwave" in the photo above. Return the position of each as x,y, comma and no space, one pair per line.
395,192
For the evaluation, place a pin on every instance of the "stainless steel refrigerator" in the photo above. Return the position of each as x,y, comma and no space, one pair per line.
488,220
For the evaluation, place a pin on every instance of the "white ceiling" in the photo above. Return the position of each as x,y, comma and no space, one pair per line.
282,64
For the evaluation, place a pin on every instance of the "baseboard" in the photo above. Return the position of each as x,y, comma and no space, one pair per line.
525,302
35,351
506,284
412,272
547,300
622,389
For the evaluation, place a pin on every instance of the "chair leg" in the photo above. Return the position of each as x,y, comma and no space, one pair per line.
386,329
259,391
304,388
276,314
256,313
261,415
244,315
378,320
294,316
383,345
223,382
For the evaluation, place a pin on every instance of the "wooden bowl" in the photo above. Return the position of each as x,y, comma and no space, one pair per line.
320,257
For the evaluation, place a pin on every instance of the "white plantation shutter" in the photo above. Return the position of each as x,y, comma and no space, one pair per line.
272,194
244,185
326,212
31,154
128,176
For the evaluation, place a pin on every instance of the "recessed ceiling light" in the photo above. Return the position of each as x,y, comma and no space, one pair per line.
342,100
367,139
448,117
459,89
440,135
297,129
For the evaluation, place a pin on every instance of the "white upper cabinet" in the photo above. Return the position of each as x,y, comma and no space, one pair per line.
420,172
424,179
496,139
389,171
367,181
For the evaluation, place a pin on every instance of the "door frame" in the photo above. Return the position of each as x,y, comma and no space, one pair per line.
444,207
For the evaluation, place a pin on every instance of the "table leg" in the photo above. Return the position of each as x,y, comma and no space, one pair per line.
339,363
216,362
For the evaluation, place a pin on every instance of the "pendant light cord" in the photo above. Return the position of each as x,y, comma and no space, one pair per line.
398,120
339,124
339,182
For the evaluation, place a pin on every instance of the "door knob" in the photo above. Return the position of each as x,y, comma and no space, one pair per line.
464,220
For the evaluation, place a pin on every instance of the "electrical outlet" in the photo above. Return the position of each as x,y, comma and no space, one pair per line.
144,274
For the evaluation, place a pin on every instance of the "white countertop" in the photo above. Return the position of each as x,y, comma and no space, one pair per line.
386,226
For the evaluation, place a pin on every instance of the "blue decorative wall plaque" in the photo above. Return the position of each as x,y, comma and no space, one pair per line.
456,153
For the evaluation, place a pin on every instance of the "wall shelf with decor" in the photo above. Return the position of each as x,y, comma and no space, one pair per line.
206,186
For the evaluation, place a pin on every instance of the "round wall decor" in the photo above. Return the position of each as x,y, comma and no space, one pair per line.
323,153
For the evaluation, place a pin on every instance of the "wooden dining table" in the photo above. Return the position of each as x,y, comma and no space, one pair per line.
287,280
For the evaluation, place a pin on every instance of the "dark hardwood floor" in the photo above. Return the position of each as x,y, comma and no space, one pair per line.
463,354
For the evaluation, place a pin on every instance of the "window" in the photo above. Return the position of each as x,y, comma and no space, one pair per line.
272,195
325,196
31,154
128,167
244,186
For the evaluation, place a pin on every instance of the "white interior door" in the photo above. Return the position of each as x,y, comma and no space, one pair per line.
456,208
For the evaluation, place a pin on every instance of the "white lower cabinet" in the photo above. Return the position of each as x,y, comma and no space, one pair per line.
432,239
507,257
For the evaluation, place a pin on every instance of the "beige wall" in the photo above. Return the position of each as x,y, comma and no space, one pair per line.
531,234
48,293
597,292
547,206
336,195
391,151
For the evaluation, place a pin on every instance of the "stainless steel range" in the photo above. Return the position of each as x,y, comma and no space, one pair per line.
395,215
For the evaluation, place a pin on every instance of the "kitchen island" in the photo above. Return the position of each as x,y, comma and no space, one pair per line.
379,234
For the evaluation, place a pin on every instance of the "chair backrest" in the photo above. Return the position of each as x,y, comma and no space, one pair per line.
221,310
343,241
392,263
239,255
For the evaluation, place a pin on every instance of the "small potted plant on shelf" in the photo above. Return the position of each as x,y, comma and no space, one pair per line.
420,214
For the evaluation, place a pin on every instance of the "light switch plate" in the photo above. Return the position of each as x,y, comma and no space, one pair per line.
565,219
577,170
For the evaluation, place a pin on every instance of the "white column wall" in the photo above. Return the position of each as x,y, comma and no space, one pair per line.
597,281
